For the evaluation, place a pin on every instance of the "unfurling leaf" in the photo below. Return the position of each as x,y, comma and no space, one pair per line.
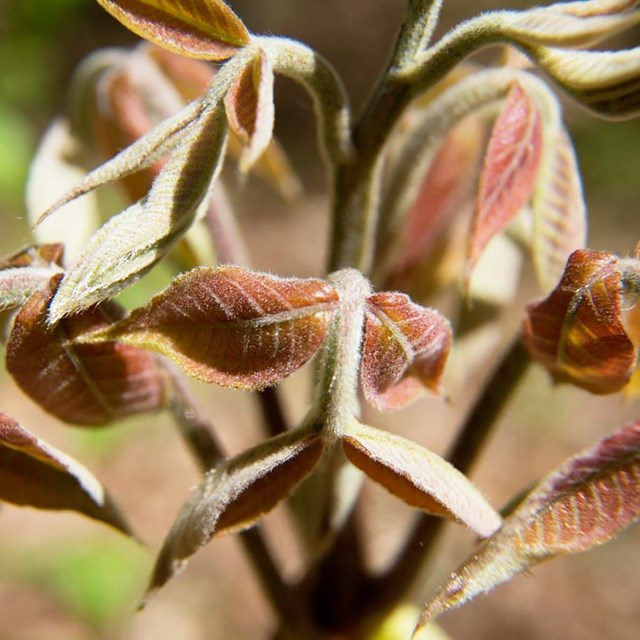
134,241
235,494
509,171
405,350
559,211
232,326
590,499
577,332
80,384
205,29
35,474
419,477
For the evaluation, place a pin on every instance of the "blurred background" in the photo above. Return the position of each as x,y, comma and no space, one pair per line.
64,578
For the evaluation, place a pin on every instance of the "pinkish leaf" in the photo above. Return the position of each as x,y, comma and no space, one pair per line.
589,500
80,384
205,29
577,331
405,350
35,474
232,326
509,171
419,477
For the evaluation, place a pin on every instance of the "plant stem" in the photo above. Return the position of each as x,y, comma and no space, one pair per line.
386,589
272,412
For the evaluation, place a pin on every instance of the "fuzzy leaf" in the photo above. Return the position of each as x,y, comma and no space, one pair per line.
35,474
231,326
509,171
133,242
419,477
250,109
590,499
405,350
205,29
80,384
577,331
559,211
235,494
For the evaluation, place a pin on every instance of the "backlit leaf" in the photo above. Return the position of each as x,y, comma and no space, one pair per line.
405,350
560,224
231,326
205,29
35,474
577,332
509,171
80,384
419,477
590,499
235,494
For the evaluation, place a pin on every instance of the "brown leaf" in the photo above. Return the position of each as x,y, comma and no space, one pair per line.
419,477
590,499
509,172
205,29
232,326
235,494
80,384
577,332
405,350
35,474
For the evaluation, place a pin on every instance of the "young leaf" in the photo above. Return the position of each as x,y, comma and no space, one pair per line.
235,494
559,211
509,171
205,29
35,474
577,331
590,499
133,242
419,477
250,108
404,352
80,384
231,326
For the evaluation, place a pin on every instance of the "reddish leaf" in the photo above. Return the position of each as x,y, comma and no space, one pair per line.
590,499
231,326
80,384
33,473
405,350
577,332
509,171
205,29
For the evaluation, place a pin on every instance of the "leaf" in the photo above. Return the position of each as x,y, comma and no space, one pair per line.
232,326
35,474
419,477
509,171
559,210
133,242
577,331
205,29
589,500
405,350
235,494
250,108
80,384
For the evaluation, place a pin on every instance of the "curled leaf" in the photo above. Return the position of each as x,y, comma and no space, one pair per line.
577,331
205,29
35,474
590,499
405,350
419,477
80,384
232,326
235,494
